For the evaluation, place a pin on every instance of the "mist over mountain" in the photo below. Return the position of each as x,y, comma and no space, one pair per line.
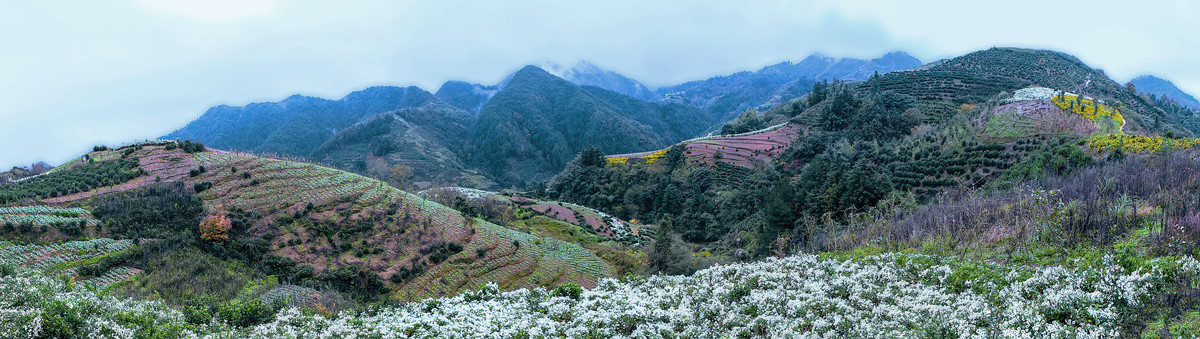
466,96
941,169
584,73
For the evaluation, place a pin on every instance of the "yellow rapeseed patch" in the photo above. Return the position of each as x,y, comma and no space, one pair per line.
1087,108
650,159
1138,143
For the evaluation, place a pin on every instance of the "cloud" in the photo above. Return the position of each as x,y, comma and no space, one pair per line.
212,10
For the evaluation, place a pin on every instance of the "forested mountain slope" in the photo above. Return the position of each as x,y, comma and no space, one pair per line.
537,123
1150,84
297,125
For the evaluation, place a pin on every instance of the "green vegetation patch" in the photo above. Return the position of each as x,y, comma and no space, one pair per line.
84,177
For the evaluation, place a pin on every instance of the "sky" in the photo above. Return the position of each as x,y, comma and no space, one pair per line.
75,74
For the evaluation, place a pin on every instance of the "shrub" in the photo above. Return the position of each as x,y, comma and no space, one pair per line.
60,320
353,280
568,290
191,146
202,186
215,227
1139,144
160,210
71,230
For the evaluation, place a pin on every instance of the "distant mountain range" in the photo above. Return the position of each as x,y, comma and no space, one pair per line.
729,95
521,130
1150,84
297,125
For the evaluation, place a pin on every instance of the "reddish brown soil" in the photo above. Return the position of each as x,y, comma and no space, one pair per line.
159,163
747,151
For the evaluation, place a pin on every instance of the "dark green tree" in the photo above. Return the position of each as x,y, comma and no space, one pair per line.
779,208
462,205
591,157
818,93
663,257
821,183
840,112
864,186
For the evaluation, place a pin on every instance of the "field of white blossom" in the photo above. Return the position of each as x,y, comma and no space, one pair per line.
805,296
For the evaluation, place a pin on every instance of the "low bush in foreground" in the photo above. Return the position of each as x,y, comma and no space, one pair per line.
882,296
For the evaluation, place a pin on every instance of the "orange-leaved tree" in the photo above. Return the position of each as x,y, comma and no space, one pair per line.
215,227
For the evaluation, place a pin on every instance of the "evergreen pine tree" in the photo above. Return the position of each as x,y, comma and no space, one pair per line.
778,207
864,186
662,257
838,115
591,157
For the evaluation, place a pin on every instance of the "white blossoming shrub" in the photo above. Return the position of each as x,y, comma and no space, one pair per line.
885,296
1032,93
33,305
805,296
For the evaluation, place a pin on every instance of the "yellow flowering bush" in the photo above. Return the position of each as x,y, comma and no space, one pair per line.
1087,108
650,159
616,160
1138,143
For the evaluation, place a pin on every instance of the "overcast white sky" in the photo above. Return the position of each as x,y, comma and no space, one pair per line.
78,73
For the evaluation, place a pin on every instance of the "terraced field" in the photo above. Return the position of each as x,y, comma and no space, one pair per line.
40,215
1041,111
512,260
940,89
266,185
163,165
328,218
599,222
355,220
748,150
1036,118
65,257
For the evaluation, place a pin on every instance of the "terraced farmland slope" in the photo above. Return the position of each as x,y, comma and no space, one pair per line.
1041,111
746,150
598,222
59,219
331,219
398,229
942,88
64,258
